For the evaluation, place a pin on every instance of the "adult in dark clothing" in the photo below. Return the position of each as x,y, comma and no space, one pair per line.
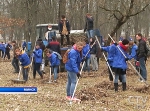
64,29
54,45
89,26
7,52
93,52
15,62
141,56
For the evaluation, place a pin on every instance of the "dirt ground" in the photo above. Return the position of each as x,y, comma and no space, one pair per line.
95,91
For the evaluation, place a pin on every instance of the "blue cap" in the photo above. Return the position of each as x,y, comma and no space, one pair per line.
121,39
130,39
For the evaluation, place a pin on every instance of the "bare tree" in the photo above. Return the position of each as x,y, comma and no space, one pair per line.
113,16
123,10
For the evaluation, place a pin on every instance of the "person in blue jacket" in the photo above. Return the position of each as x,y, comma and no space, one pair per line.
24,45
72,66
2,49
86,56
54,62
25,62
7,51
119,63
37,60
133,49
132,53
110,57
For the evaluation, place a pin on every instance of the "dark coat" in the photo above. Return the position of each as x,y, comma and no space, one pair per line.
94,49
89,24
141,51
60,26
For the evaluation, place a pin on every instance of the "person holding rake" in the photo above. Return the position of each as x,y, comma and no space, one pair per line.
119,63
55,62
25,62
72,66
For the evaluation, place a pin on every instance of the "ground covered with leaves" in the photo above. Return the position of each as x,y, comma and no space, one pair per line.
95,91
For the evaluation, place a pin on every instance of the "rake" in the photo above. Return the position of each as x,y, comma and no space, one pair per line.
18,80
50,76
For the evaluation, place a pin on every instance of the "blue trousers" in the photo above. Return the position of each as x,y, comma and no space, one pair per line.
25,72
87,65
123,76
143,70
55,70
90,34
71,83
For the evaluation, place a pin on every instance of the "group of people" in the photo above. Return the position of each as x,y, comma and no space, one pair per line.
81,52
64,29
5,50
36,59
118,55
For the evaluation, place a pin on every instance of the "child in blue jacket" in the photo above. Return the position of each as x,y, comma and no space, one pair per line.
86,50
25,62
37,53
54,61
119,63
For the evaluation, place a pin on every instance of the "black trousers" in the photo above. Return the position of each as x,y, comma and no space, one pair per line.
62,39
36,67
15,64
7,53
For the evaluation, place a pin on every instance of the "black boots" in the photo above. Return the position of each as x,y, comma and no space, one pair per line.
116,87
124,86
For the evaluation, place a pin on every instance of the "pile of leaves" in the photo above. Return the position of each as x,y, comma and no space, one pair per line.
96,92
143,89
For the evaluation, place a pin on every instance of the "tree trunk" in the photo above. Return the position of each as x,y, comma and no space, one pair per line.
62,8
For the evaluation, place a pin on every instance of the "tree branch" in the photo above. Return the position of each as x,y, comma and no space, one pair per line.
143,9
109,10
115,16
